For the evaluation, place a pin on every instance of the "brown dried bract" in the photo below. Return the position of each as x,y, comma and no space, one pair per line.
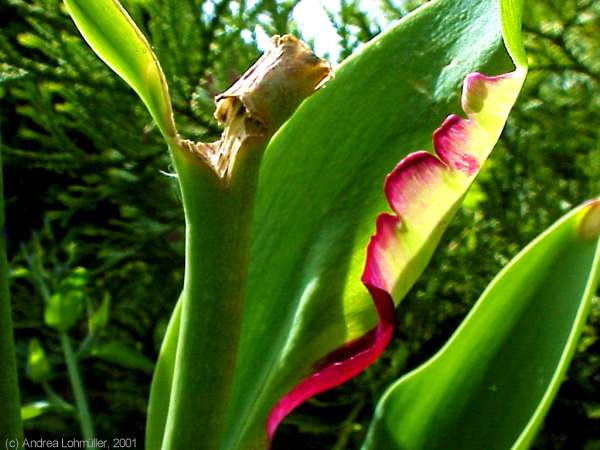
257,104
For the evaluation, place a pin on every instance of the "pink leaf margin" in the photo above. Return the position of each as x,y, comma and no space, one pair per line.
420,179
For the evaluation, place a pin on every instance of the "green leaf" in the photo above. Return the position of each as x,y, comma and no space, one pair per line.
99,318
592,411
162,381
493,382
320,192
19,272
56,404
63,310
64,307
10,73
109,30
123,355
76,280
38,366
35,409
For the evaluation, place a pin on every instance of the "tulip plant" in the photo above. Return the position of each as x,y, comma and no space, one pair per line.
294,269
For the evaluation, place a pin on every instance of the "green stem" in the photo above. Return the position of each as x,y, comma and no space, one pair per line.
57,400
347,427
83,409
10,408
218,221
87,343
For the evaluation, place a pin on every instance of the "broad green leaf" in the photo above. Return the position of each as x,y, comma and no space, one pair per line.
493,382
321,189
38,366
109,30
123,355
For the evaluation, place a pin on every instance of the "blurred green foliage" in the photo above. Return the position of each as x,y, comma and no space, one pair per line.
95,228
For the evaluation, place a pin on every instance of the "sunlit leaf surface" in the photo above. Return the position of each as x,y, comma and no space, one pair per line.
493,382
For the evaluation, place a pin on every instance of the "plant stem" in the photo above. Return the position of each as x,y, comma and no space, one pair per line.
57,400
348,426
10,409
83,409
218,185
217,247
87,343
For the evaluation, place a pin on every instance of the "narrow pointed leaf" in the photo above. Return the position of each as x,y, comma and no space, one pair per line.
125,356
34,409
162,382
38,366
109,30
493,382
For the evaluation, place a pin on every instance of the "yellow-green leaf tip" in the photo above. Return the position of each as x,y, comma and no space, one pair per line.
589,227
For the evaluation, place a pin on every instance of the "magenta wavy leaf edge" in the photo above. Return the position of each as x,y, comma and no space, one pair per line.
402,187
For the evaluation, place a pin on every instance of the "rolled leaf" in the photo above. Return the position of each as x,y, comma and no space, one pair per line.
115,38
493,382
